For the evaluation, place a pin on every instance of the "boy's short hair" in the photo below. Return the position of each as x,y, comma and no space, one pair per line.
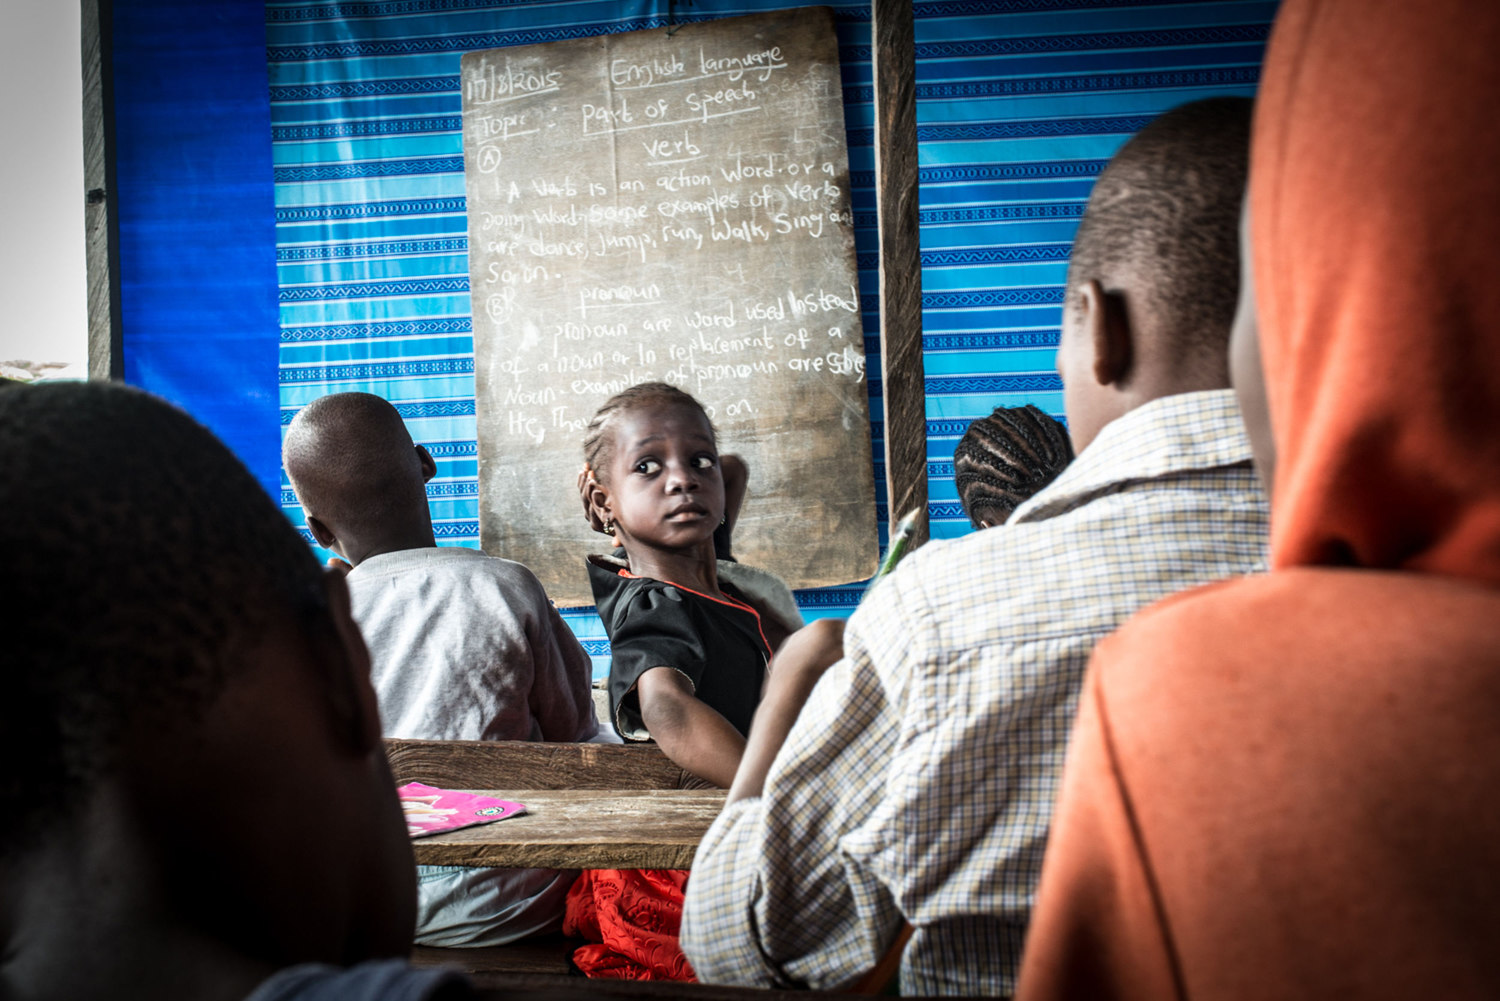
352,461
1167,206
143,559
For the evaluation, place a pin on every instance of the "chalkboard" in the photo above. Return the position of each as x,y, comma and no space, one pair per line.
655,206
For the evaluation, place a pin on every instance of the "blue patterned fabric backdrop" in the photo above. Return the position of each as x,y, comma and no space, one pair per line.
1019,104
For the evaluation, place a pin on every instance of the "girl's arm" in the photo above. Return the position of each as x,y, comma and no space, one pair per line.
694,736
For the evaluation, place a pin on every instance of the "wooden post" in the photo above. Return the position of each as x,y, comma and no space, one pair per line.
100,213
900,261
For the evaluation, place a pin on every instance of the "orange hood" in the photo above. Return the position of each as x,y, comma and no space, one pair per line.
1375,224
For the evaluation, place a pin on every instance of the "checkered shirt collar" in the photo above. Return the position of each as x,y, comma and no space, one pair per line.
1167,436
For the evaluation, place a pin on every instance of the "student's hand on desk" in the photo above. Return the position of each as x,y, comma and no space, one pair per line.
801,661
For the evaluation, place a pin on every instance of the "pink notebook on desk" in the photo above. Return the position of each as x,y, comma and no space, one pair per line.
430,810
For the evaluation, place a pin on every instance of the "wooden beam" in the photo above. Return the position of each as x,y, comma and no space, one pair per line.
900,261
543,987
100,211
549,955
520,764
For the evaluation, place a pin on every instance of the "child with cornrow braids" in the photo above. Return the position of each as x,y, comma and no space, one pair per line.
1006,458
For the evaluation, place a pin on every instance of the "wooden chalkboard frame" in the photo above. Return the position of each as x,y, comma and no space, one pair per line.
100,212
588,284
896,184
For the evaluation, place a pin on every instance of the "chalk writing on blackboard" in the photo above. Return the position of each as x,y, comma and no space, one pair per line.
645,206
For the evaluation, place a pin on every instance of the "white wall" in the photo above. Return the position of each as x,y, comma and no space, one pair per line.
43,284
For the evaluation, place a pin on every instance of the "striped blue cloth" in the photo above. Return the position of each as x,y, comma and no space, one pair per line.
1019,105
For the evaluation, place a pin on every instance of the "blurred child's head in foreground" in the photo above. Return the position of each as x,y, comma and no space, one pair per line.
188,692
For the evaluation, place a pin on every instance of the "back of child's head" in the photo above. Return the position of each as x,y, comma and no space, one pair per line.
1005,458
1166,210
352,462
598,440
141,559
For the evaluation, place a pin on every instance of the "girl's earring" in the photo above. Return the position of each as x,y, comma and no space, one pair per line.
609,528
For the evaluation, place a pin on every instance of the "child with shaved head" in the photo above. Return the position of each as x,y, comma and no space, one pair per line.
359,477
464,646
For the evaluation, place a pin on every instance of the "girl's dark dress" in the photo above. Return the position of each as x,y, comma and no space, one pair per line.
632,916
718,645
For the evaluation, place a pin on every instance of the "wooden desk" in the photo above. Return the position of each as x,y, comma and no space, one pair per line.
583,829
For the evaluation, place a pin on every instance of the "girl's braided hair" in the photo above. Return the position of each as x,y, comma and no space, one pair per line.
1005,458
599,444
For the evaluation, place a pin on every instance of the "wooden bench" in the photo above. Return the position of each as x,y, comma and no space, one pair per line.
543,955
514,764
520,764
531,987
